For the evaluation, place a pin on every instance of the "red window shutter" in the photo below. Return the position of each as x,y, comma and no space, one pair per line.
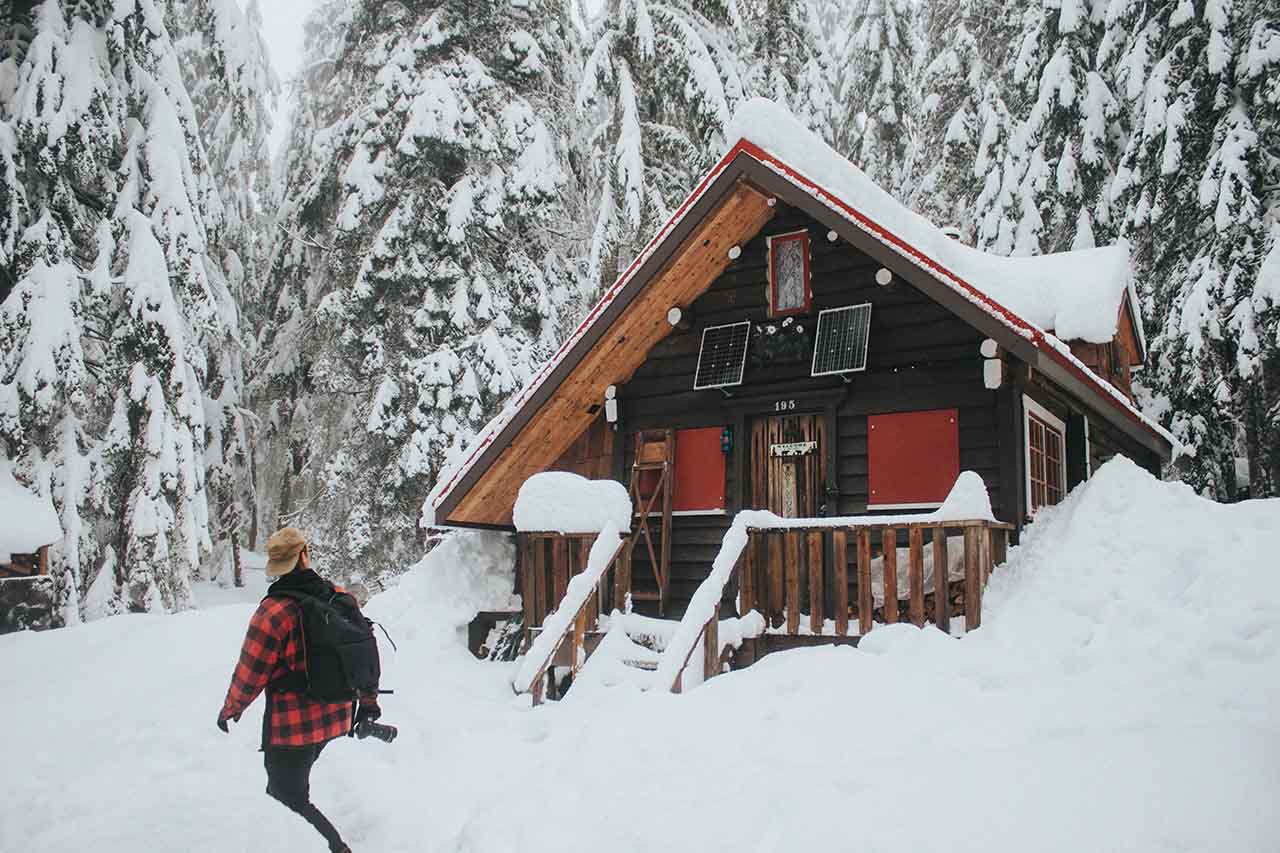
912,457
700,472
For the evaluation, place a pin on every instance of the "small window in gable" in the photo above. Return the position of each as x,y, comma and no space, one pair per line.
789,273
1045,457
913,458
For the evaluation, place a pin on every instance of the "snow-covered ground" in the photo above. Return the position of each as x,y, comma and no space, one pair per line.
253,566
1120,696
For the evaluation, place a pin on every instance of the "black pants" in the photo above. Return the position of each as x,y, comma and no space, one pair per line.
289,781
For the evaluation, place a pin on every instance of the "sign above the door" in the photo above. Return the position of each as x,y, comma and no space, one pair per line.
794,448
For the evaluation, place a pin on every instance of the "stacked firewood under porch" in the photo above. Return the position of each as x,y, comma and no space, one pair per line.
790,582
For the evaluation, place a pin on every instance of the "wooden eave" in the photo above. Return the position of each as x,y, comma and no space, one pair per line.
679,270
729,209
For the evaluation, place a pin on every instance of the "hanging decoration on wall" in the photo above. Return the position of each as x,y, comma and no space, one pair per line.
785,341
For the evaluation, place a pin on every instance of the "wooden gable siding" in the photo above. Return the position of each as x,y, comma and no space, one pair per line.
591,454
1109,360
1127,335
558,422
921,356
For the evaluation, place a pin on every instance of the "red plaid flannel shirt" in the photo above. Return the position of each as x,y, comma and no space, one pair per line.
273,648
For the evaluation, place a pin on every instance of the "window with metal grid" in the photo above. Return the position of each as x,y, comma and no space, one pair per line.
1045,469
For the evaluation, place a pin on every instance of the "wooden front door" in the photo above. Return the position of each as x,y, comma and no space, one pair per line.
787,453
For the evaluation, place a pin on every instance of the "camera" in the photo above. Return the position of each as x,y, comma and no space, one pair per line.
368,728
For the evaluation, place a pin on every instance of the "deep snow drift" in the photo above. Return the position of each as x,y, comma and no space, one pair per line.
1120,696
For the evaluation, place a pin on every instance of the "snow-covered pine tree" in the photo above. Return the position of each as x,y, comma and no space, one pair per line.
657,88
786,60
1259,75
226,69
419,272
964,121
111,313
877,93
1058,158
1190,183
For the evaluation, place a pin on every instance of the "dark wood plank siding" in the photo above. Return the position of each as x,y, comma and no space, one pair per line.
920,357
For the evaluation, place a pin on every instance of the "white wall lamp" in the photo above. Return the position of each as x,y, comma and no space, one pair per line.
992,365
611,402
735,252
883,277
680,318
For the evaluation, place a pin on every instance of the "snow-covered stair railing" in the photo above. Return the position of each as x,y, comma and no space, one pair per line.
779,563
571,616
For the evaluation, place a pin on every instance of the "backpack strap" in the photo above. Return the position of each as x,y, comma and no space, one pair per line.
295,680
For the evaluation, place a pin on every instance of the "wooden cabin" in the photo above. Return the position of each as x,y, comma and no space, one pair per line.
795,340
28,525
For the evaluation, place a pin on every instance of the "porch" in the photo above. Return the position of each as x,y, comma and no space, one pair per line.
776,583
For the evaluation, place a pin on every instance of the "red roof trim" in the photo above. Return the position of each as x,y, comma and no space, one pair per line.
1033,333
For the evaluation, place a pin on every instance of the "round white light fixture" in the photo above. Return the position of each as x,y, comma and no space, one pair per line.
773,202
883,276
673,317
832,236
989,348
735,252
611,392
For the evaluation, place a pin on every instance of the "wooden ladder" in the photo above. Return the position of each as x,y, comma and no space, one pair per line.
655,451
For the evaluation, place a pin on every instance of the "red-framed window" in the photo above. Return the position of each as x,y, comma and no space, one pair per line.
1046,457
698,484
913,458
789,291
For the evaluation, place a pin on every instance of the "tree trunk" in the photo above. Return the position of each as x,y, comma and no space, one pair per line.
235,559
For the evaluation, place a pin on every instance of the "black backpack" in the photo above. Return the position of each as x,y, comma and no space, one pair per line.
340,651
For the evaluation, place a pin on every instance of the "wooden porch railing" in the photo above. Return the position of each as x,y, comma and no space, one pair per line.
784,565
582,602
548,561
787,572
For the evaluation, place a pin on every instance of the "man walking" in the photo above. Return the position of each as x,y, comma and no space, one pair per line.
295,727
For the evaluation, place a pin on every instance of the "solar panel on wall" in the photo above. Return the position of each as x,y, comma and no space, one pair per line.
723,356
841,345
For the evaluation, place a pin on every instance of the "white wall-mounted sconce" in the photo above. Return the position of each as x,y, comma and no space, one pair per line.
673,317
773,202
989,348
611,401
832,236
883,277
992,373
735,252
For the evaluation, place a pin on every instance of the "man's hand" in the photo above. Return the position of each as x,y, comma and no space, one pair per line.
222,722
368,712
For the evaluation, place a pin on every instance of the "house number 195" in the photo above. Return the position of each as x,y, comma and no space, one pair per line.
784,405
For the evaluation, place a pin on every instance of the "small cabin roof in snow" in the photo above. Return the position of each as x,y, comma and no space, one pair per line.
1030,306
30,522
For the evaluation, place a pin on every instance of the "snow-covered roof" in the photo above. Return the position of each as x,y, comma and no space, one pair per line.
770,135
1075,294
29,521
